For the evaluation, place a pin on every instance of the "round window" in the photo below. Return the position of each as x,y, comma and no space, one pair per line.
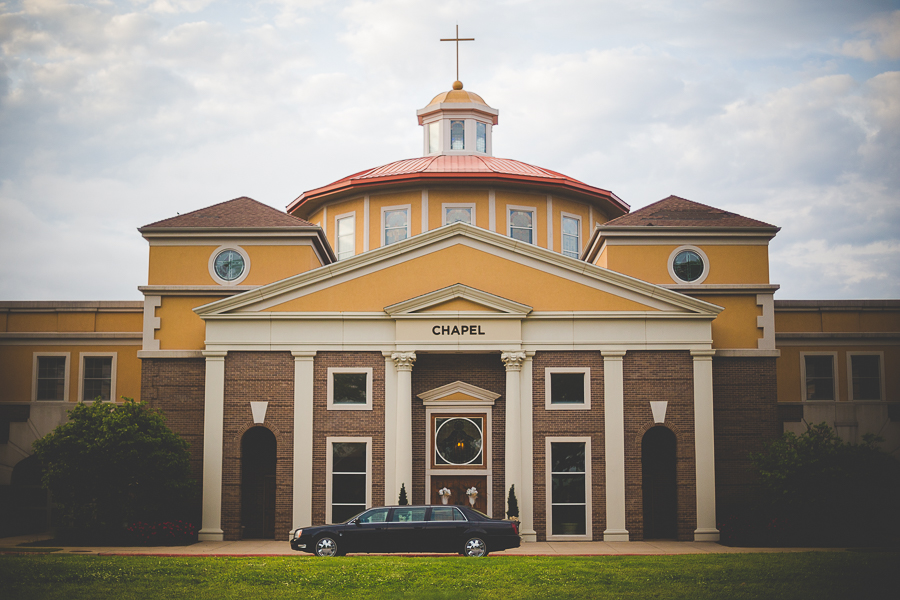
688,265
229,265
458,441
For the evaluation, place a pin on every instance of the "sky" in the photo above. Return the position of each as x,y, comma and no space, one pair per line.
114,115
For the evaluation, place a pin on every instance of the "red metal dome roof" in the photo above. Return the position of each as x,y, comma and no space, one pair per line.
454,169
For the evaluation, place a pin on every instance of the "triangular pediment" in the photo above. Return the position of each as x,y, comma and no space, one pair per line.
459,269
458,299
458,393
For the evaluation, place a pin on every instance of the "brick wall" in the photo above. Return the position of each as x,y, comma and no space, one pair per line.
552,423
746,417
669,376
483,370
348,423
251,377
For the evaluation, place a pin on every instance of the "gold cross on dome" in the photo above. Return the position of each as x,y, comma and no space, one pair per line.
457,39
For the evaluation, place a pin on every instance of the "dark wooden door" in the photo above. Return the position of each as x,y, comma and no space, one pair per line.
658,463
458,484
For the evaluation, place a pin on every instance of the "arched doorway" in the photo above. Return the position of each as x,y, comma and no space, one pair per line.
26,502
659,484
258,459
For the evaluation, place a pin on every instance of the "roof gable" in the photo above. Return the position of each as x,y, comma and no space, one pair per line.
240,213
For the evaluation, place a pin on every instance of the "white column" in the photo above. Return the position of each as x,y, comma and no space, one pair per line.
525,495
390,431
704,435
303,439
404,364
213,422
513,449
614,435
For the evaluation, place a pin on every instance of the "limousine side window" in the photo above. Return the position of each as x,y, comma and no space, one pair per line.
376,515
446,513
408,515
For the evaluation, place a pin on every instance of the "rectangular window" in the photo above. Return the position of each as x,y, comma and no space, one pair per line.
454,213
349,388
345,232
434,137
396,225
50,382
567,388
521,224
865,376
568,487
446,513
457,135
408,514
818,376
97,378
349,479
571,236
480,137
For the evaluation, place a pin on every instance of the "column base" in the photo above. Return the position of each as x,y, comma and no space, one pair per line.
615,535
211,535
706,535
529,536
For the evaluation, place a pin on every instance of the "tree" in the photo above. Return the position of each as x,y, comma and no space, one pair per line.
513,503
111,465
403,499
819,489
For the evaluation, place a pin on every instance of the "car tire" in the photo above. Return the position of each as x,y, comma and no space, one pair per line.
326,546
475,547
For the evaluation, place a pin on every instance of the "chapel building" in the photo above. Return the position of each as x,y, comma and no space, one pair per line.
458,321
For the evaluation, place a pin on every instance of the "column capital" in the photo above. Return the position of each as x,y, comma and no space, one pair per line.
612,354
303,354
214,354
513,360
703,354
404,360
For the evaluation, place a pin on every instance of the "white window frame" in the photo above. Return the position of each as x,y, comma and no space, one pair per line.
562,235
548,490
332,371
834,370
850,355
450,205
112,383
671,265
384,209
337,237
534,222
34,375
329,465
548,392
212,264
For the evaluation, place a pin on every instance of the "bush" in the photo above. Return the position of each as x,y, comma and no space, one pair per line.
113,465
819,490
177,533
512,503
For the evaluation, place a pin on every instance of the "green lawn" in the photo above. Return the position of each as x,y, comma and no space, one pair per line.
815,575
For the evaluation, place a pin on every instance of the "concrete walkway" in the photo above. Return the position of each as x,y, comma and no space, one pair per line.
276,548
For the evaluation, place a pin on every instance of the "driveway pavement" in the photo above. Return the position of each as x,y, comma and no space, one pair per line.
275,548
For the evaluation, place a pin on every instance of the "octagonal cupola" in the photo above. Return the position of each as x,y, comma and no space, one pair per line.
457,122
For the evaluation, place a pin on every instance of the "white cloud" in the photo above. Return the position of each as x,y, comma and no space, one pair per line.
879,38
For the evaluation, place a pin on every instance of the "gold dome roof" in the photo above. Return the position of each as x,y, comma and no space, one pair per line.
457,94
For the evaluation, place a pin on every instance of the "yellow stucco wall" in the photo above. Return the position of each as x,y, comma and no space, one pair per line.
18,376
179,326
189,265
459,264
69,322
727,263
836,321
789,373
735,327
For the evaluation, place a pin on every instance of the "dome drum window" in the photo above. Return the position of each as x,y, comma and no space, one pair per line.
688,264
229,265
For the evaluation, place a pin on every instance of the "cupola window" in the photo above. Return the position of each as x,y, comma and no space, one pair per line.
480,137
457,135
434,137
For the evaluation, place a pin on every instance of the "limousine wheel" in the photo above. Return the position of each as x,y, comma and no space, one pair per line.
326,546
475,547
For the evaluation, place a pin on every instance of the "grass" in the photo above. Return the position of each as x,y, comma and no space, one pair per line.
814,575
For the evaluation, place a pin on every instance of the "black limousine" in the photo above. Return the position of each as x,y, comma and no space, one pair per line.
457,529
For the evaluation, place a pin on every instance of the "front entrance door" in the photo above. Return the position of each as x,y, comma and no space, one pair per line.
660,492
258,459
458,484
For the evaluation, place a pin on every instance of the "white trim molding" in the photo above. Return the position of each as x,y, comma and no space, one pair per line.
329,460
548,388
112,381
688,248
880,355
588,487
34,374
